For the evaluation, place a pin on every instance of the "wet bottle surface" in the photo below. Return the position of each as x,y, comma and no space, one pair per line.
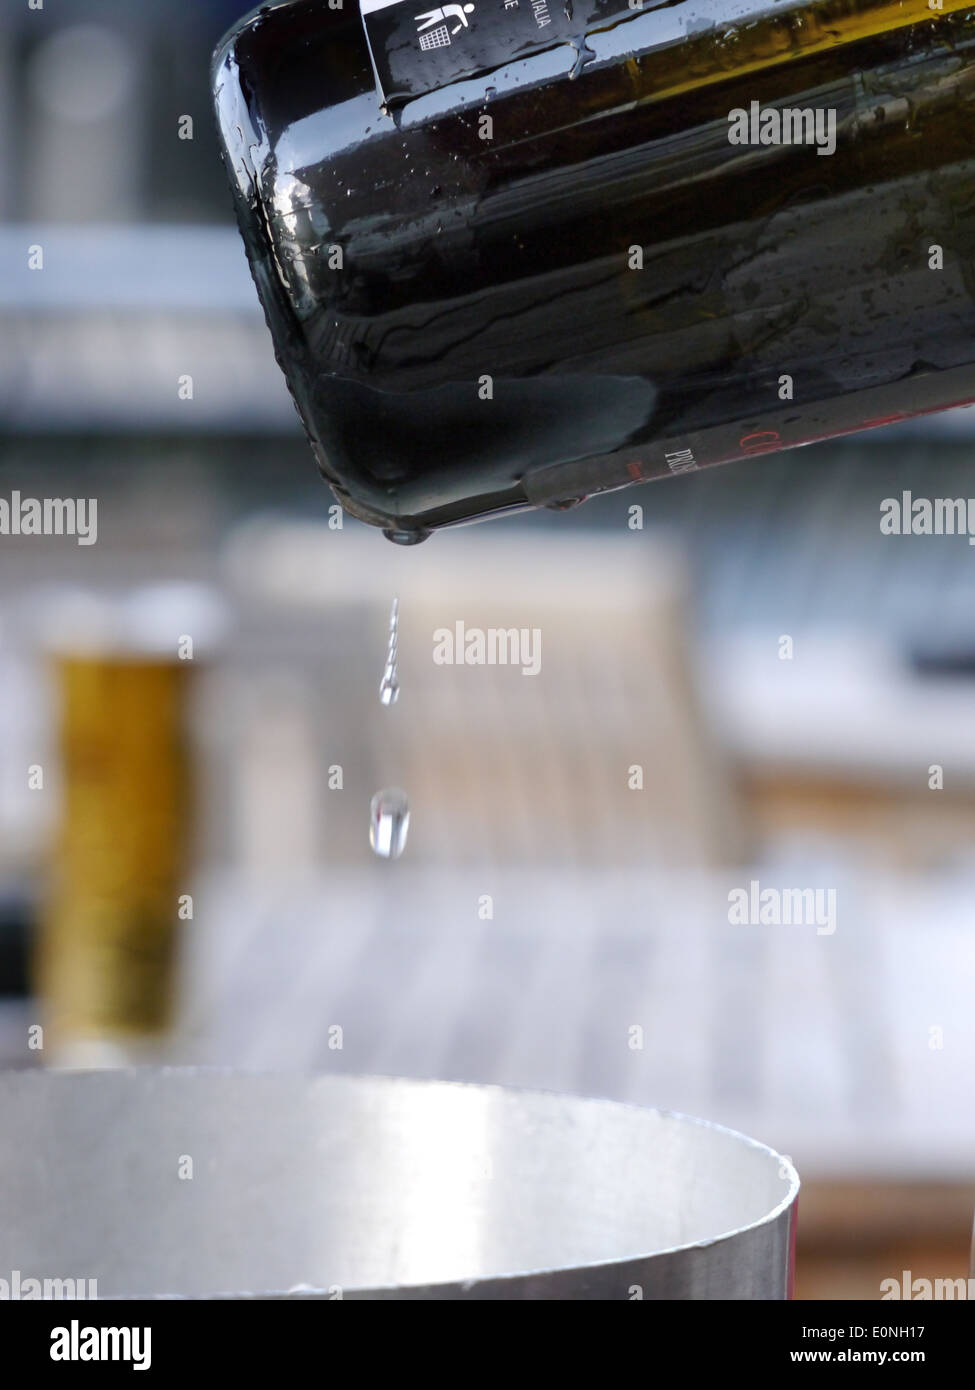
558,276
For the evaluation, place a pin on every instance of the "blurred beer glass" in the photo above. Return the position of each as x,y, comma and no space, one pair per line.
107,954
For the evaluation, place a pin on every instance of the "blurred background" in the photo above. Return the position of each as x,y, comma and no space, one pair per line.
754,684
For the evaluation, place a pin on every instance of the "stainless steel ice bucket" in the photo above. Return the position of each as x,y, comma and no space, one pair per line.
201,1183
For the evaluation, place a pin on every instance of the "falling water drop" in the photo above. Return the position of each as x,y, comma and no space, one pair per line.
389,685
389,811
389,823
388,689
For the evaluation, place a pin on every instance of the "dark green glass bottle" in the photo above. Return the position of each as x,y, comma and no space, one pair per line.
510,264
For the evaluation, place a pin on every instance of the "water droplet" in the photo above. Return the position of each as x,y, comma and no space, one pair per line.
584,55
389,823
407,537
389,685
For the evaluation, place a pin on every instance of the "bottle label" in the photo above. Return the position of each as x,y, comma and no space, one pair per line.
418,46
791,428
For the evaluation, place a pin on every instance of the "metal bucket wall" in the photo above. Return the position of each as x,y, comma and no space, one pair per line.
221,1184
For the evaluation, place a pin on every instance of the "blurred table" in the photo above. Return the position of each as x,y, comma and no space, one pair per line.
850,1051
